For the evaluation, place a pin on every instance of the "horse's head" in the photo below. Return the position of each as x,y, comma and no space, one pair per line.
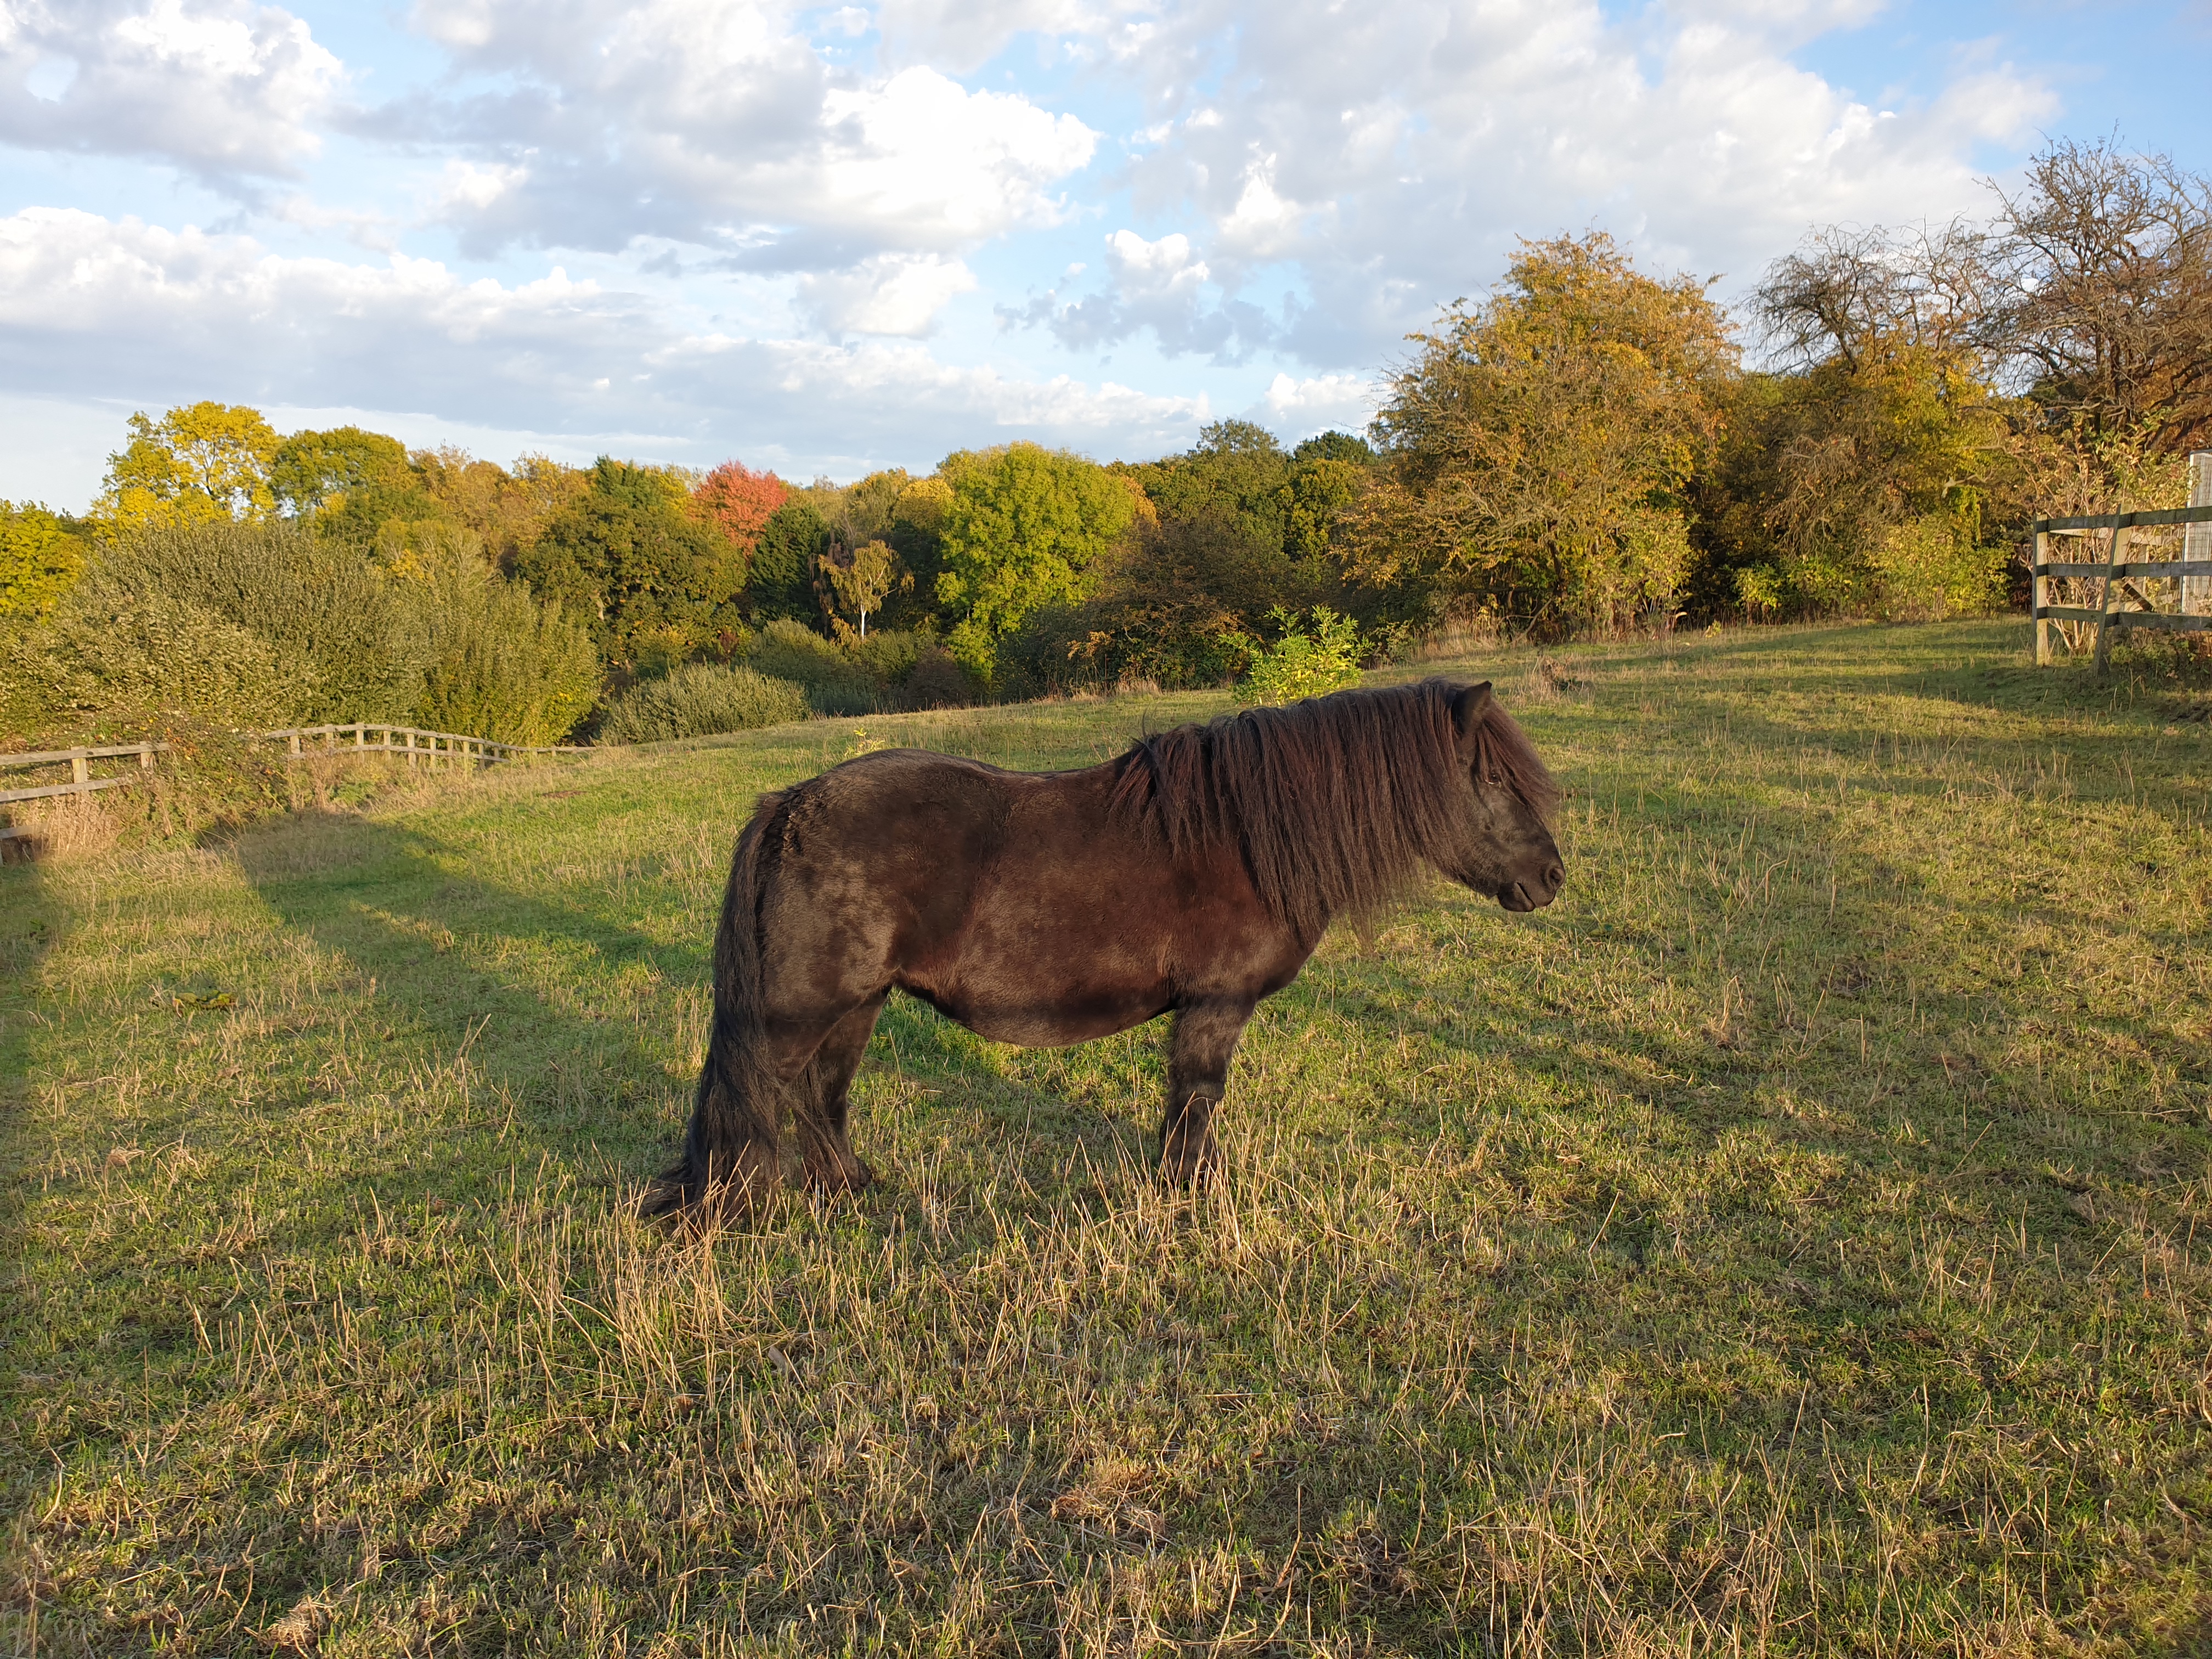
1505,849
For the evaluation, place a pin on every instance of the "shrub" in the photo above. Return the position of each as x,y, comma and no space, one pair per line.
1302,664
699,699
936,681
835,683
243,623
502,665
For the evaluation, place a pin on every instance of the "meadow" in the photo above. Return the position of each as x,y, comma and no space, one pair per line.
1783,1245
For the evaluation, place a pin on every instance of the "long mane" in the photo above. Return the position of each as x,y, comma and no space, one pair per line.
1336,802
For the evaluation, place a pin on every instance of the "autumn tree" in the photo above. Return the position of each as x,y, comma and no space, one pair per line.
40,562
2103,292
506,507
739,501
201,462
1538,451
1857,474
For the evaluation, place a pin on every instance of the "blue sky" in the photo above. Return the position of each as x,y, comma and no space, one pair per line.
832,237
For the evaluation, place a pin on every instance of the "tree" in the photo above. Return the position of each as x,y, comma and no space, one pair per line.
781,583
40,562
244,623
1025,525
509,509
1537,453
631,560
2105,262
1235,470
1859,476
859,578
204,461
740,501
315,469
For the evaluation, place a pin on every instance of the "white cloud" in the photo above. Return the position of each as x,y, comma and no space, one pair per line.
1392,153
1346,402
713,122
889,294
93,309
221,89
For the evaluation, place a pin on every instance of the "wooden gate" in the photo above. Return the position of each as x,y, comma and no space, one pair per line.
2172,593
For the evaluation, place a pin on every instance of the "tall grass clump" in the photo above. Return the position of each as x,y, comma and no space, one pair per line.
699,699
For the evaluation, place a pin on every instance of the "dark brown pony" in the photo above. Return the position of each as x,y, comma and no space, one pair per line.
1195,873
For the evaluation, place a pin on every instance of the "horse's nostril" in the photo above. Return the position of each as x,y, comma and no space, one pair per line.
1554,877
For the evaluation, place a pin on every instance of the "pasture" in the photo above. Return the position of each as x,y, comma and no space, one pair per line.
1785,1244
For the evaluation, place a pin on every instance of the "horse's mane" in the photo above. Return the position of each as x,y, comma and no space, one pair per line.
1335,802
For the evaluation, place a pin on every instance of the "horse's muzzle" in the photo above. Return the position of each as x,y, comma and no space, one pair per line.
1534,896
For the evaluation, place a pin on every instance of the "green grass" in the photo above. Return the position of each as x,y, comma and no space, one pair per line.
1785,1244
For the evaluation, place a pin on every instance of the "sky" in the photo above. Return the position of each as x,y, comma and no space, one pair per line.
825,239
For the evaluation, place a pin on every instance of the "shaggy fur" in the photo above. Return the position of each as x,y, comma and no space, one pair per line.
1193,875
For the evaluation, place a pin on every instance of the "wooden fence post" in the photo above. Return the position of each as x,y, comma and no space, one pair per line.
2039,595
2105,598
80,768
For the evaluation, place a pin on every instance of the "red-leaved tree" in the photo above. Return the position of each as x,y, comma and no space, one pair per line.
739,500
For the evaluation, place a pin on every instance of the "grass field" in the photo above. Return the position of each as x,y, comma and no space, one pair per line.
1785,1244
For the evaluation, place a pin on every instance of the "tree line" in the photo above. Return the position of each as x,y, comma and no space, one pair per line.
1583,449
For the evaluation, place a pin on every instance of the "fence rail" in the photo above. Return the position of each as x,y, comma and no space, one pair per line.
421,747
402,741
2119,603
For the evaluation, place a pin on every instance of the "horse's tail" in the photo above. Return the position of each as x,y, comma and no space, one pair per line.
730,1147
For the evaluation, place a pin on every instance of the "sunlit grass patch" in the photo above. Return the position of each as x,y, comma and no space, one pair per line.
1786,1243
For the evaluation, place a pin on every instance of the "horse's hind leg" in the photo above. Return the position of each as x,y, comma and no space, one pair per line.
1199,1053
819,1103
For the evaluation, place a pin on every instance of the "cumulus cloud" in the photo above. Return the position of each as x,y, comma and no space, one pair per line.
1391,154
891,294
95,308
223,89
1161,285
713,122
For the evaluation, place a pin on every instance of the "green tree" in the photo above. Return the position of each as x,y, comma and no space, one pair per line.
781,583
40,562
859,580
1538,452
1236,470
631,560
202,461
1025,526
312,470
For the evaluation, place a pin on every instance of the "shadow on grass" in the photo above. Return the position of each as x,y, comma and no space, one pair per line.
541,997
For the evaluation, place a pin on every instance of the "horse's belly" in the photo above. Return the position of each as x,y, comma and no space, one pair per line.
1044,1015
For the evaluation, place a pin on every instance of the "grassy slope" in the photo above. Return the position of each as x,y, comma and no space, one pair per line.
1785,1244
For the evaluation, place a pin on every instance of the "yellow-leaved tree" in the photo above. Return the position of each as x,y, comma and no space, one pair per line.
198,462
1537,453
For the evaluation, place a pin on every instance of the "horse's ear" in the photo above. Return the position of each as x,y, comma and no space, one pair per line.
1469,704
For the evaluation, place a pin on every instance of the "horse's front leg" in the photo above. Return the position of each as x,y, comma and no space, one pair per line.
1200,1050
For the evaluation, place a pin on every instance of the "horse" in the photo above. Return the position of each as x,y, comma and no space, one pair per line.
1193,875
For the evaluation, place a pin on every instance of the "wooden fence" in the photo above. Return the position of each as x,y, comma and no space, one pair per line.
2128,593
421,748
